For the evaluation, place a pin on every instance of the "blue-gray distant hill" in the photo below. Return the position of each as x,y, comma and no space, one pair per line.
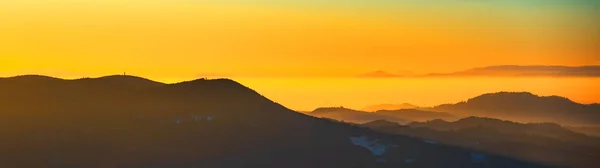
526,71
526,107
504,71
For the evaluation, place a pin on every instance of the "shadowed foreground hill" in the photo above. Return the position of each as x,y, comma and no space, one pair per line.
124,121
540,142
526,107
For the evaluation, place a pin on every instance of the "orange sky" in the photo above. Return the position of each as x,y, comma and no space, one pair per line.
184,39
163,39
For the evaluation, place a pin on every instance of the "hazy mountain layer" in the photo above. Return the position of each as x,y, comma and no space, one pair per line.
400,116
526,107
378,107
539,142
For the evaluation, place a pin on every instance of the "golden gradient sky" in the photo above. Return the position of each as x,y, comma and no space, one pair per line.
164,39
169,40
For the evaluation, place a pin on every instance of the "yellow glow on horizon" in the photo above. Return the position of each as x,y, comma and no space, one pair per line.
306,94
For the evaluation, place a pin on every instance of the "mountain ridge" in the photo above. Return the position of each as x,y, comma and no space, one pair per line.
34,76
198,123
541,142
525,107
377,107
400,116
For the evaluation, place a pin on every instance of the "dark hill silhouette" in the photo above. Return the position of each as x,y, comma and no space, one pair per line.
200,123
540,142
34,91
45,80
29,78
124,81
37,85
526,107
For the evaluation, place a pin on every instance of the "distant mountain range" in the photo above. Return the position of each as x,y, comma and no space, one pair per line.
526,107
529,71
417,114
378,107
514,106
350,115
540,142
507,71
550,130
127,121
399,116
